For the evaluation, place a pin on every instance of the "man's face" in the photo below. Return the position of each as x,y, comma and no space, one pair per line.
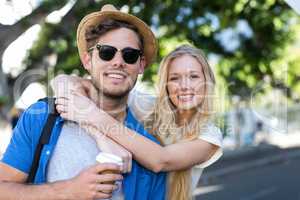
115,78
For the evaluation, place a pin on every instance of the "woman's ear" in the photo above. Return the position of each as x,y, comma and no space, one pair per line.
87,61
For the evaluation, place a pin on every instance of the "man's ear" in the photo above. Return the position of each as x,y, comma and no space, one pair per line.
142,65
87,61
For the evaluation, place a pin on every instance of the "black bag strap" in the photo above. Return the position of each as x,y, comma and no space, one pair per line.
44,138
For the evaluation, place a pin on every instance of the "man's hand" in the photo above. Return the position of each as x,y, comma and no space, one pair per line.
90,183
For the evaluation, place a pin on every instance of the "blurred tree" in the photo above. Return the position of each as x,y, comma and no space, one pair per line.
244,36
9,33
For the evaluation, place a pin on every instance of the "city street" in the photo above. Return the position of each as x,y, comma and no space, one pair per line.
276,181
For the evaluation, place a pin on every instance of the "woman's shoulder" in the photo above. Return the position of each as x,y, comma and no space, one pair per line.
212,134
210,127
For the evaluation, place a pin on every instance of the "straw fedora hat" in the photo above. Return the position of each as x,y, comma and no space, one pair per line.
108,11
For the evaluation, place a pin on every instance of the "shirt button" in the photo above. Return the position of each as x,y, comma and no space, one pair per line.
48,152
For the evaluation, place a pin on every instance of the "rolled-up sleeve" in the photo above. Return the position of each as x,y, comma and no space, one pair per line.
213,135
19,152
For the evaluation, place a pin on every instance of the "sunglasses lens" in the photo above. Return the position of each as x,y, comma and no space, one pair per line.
107,52
130,55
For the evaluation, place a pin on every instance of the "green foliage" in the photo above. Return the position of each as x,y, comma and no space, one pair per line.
201,23
3,100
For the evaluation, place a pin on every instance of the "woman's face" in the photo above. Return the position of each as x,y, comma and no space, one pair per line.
186,82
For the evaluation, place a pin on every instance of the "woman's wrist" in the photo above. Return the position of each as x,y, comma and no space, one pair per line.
100,119
94,132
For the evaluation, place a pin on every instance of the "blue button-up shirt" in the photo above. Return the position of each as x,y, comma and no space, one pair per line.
139,184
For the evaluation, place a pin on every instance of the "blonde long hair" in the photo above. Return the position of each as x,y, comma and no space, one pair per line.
162,120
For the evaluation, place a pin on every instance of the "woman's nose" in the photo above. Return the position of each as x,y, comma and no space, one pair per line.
185,84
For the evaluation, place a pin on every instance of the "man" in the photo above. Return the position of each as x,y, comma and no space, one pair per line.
114,48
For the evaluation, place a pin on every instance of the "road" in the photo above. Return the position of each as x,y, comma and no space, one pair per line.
276,181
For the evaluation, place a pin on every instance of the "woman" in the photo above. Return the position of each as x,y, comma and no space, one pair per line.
180,118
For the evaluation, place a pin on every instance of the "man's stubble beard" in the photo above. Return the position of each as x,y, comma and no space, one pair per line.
102,90
105,91
119,98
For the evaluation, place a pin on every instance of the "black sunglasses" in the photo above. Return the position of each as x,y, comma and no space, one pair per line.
107,53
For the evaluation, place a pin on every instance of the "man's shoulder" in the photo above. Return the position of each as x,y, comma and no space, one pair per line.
148,135
25,136
33,119
37,111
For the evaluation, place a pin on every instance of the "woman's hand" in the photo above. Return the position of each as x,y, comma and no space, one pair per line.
112,147
76,107
62,86
109,146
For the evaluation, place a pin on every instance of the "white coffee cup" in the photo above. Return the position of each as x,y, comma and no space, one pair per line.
104,157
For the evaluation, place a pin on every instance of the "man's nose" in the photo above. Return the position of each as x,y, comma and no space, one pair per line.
118,60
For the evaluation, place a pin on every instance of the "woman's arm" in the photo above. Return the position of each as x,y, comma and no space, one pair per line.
151,155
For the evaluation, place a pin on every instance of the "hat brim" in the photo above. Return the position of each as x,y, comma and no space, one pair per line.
93,19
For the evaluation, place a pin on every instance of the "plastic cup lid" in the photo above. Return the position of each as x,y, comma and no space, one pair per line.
109,158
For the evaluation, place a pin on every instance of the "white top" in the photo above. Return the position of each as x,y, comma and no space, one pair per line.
213,135
141,105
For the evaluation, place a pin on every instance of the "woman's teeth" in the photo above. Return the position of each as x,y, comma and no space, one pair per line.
185,97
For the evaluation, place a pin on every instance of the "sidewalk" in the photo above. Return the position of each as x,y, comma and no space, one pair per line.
279,149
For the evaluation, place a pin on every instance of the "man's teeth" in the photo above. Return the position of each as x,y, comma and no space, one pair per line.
118,76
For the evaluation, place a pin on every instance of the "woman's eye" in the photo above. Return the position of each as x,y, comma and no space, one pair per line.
173,78
194,76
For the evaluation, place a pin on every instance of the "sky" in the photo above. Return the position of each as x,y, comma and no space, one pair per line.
295,4
13,56
10,14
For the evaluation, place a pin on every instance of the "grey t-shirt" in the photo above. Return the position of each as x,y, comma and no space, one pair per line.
75,150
